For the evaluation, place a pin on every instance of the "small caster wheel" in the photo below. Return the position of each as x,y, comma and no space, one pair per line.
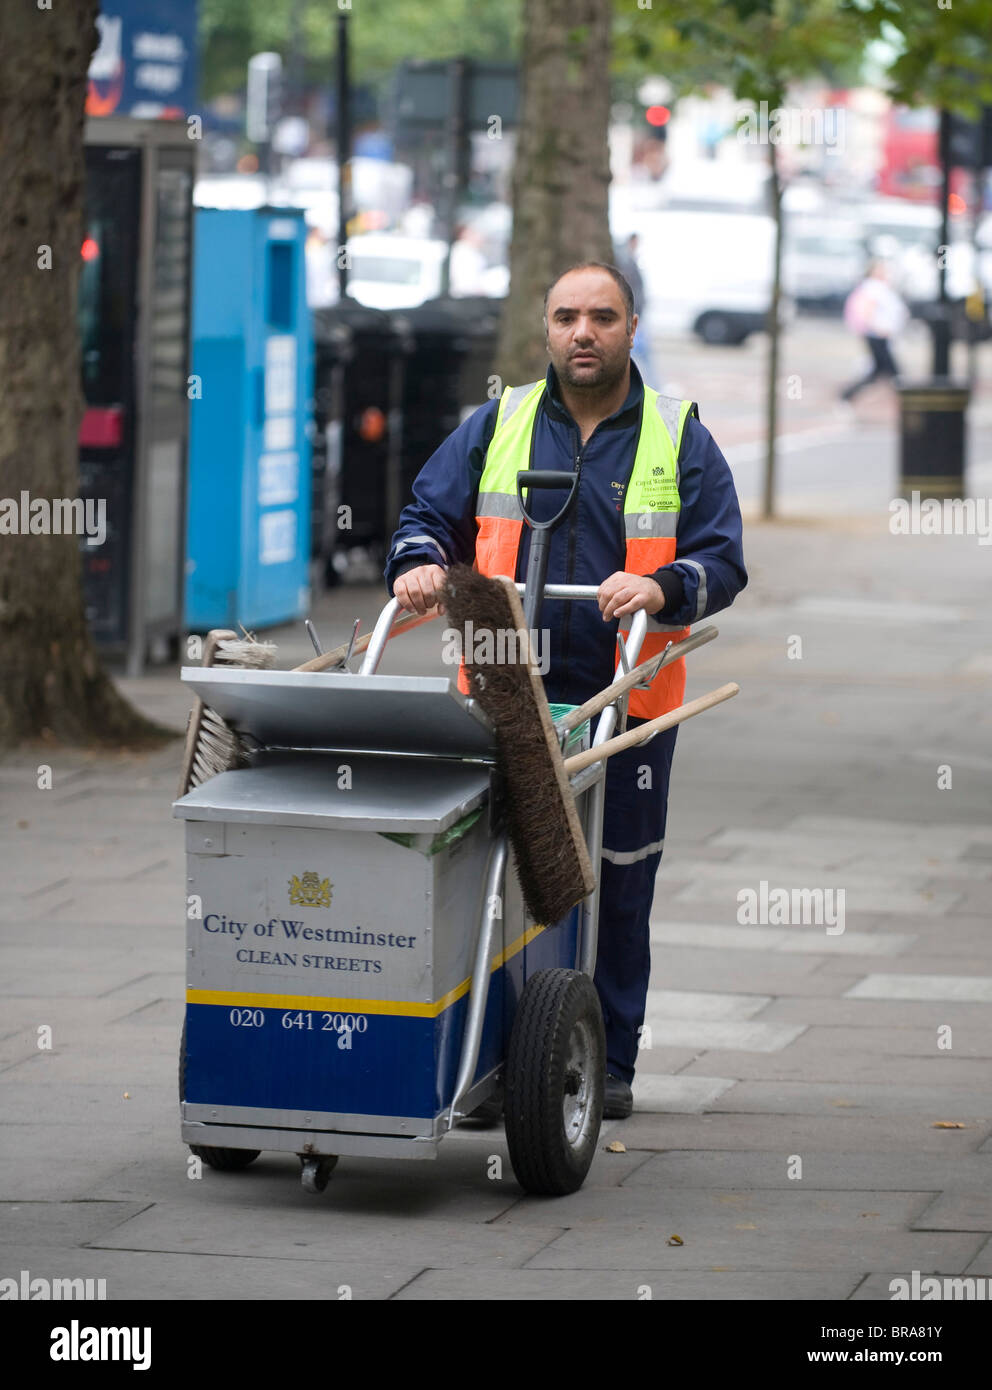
316,1171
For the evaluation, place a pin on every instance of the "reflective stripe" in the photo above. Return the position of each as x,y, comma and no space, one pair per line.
514,399
632,856
422,540
504,504
655,626
645,525
701,595
670,408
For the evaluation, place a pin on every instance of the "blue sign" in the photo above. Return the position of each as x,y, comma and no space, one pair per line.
145,64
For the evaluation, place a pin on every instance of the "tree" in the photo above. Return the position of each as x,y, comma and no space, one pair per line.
756,48
50,680
561,173
382,33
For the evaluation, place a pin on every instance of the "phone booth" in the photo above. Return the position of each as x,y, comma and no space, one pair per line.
133,310
248,533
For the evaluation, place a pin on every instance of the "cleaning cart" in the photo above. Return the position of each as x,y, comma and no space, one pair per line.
361,969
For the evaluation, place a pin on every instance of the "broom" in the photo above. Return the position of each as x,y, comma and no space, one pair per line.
212,746
549,848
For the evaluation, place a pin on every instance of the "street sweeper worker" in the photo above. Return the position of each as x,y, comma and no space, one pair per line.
656,525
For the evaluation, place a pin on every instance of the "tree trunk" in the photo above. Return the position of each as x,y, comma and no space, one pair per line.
561,174
51,684
773,337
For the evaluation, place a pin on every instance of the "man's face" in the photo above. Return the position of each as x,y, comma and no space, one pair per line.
587,330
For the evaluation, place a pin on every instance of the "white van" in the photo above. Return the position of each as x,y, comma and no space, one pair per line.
704,272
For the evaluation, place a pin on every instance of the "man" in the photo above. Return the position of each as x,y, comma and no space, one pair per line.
653,487
626,261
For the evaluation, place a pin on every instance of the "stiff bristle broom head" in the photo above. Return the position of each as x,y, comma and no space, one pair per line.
212,746
549,848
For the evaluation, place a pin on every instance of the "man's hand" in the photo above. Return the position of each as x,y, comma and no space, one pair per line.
419,589
626,593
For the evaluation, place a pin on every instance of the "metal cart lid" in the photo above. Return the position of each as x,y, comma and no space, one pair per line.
330,709
410,795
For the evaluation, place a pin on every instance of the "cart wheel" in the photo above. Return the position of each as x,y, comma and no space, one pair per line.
224,1160
316,1171
555,1075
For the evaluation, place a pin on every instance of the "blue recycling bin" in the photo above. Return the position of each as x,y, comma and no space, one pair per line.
248,507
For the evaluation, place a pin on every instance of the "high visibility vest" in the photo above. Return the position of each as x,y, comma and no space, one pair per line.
650,513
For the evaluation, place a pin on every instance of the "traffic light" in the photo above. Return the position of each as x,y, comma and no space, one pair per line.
657,118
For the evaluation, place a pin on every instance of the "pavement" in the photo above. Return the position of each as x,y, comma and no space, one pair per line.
813,1110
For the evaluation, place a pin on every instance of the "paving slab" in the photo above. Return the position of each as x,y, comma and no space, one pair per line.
610,1285
959,1211
925,902
678,1095
60,1223
707,1034
650,1211
781,974
858,1067
967,1040
322,1230
981,1265
813,1098
833,1250
102,1104
839,1131
881,1014
966,989
925,961
753,1169
877,828
141,1276
788,939
704,1004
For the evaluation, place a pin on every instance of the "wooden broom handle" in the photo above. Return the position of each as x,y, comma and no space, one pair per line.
633,737
404,623
646,671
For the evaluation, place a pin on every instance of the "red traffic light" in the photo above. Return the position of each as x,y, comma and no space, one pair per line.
658,115
89,249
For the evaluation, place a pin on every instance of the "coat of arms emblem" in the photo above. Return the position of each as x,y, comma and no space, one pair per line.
310,891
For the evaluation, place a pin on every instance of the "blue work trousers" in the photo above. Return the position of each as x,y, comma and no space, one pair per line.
634,816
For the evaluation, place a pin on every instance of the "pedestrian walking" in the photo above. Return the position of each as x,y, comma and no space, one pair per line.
877,313
626,260
656,526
